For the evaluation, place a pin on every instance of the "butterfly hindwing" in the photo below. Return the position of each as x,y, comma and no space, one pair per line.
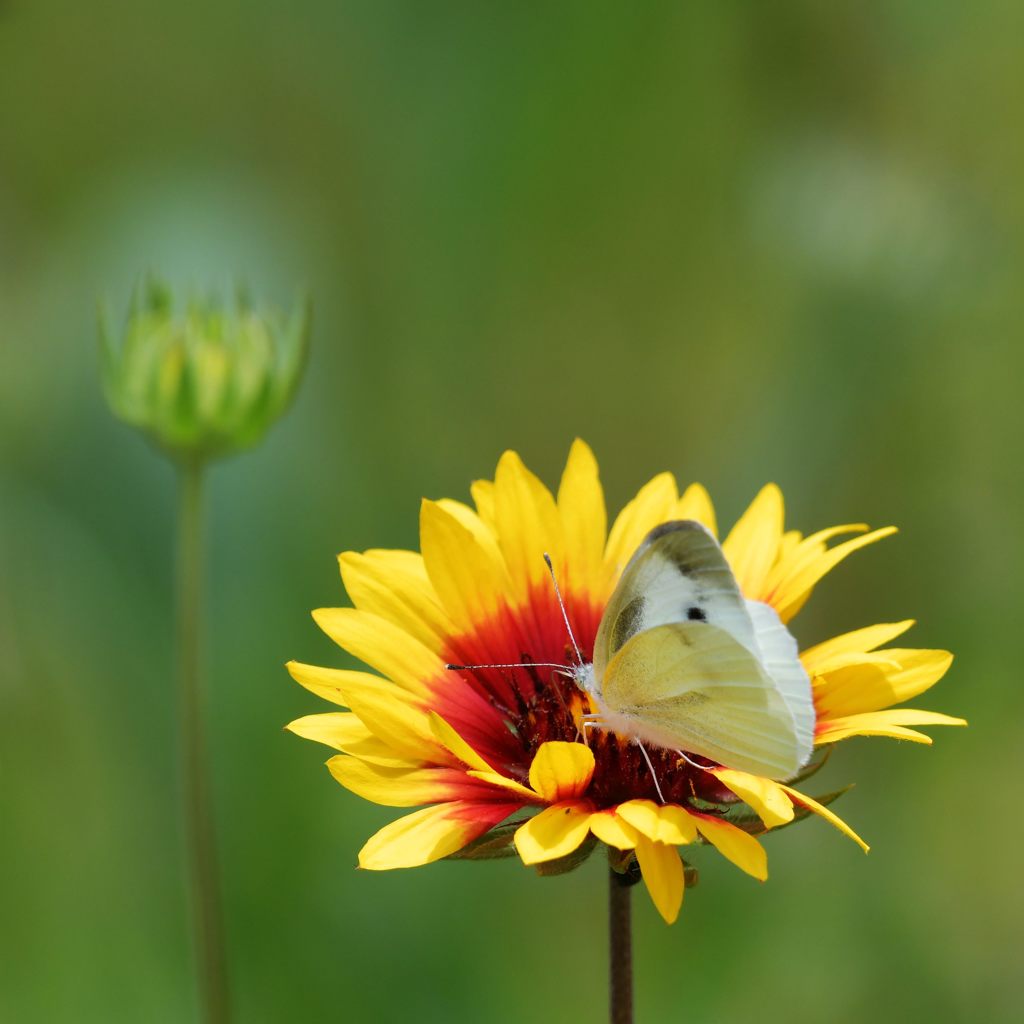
690,686
678,574
780,659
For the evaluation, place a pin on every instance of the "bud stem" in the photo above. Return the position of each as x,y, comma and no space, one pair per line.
620,929
204,882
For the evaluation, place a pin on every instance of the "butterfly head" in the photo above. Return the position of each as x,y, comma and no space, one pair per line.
585,678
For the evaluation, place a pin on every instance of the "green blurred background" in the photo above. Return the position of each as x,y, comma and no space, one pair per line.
738,241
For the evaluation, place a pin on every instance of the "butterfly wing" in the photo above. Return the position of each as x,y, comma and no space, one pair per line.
691,686
678,574
780,658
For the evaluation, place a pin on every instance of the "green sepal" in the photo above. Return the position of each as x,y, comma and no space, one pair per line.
812,767
568,863
690,874
620,861
493,845
743,817
623,862
735,811
293,354
800,812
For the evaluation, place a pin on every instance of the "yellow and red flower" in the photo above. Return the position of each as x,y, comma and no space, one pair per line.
473,747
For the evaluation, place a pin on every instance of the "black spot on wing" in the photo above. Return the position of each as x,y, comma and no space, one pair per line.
696,614
627,623
683,535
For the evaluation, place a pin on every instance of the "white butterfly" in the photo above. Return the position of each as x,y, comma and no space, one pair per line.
683,661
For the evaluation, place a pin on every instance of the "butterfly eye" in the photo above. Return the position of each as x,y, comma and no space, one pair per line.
695,614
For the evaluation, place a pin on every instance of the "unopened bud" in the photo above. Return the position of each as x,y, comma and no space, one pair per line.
205,380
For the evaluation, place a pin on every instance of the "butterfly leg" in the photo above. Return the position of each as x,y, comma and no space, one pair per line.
647,758
590,721
568,675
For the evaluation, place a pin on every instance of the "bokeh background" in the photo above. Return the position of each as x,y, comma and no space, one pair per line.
738,241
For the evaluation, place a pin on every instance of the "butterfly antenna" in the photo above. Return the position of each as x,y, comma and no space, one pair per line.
561,604
508,664
647,758
692,763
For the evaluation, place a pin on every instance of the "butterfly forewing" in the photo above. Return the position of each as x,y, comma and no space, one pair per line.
692,687
678,574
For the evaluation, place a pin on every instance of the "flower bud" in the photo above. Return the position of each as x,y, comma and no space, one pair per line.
207,380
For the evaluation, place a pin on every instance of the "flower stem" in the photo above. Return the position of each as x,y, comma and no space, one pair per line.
620,962
204,881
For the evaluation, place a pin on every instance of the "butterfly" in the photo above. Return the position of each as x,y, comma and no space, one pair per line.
683,661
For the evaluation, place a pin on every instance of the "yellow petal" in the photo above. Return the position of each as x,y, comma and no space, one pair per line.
324,682
527,524
561,771
611,829
816,659
483,497
897,676
736,845
430,834
800,555
871,659
344,731
654,504
398,590
383,646
790,540
642,815
677,826
556,832
696,504
753,543
663,875
918,670
790,595
822,811
455,744
383,707
494,778
481,528
335,729
883,723
395,787
584,520
665,823
767,798
469,580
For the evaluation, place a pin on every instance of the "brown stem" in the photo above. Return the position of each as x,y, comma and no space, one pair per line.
620,929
